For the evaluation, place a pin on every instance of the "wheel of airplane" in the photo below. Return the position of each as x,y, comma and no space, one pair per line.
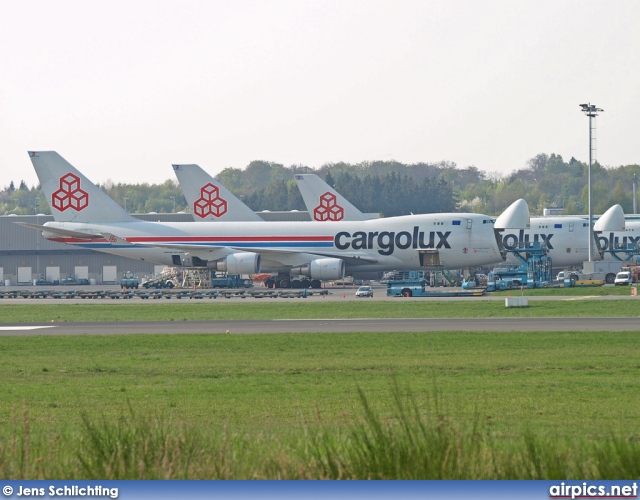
316,284
296,284
284,283
306,283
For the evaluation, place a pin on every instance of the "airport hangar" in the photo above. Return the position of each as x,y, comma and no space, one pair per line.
26,256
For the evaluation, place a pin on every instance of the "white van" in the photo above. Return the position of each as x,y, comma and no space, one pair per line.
623,278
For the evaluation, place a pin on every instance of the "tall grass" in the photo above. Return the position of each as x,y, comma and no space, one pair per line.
413,444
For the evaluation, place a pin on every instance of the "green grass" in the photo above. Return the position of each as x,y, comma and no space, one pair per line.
299,309
471,405
577,291
549,382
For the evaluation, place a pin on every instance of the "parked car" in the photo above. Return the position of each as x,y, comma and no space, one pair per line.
364,291
574,275
623,278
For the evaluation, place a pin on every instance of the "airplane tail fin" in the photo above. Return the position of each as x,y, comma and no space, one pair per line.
323,202
71,196
209,199
515,216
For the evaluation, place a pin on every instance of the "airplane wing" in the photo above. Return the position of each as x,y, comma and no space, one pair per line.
62,232
208,252
283,256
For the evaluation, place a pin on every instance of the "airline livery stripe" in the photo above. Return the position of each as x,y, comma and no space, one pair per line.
228,243
216,240
97,244
222,239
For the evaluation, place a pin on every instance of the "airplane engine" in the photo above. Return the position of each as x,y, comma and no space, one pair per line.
240,263
322,269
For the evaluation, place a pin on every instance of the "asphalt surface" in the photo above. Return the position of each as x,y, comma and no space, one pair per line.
612,324
326,325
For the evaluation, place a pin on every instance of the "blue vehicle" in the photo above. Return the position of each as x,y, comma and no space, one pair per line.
230,281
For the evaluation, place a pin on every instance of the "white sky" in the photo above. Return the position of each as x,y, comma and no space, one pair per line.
122,89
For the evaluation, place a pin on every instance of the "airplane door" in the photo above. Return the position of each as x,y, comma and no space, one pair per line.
469,223
429,258
570,227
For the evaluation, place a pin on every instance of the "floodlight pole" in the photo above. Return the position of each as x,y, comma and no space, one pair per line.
635,189
591,110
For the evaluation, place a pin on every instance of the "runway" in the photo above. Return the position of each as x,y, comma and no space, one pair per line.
324,326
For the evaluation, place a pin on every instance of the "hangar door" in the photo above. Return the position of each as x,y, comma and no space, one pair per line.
24,274
52,274
109,274
82,272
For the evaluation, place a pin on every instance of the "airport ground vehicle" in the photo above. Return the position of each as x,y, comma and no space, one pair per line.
223,280
573,275
406,288
623,278
159,283
534,270
285,281
364,291
417,288
41,281
603,270
475,281
129,280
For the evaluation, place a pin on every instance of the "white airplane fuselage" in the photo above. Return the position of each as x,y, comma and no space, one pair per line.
566,239
460,240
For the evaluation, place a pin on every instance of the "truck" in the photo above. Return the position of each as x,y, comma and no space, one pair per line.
129,280
417,288
406,288
223,280
604,269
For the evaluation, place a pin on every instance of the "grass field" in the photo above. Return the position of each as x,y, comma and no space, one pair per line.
357,405
578,306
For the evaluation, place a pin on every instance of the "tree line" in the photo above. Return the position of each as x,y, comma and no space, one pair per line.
387,187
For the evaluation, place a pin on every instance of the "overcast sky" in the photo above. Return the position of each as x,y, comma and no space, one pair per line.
123,89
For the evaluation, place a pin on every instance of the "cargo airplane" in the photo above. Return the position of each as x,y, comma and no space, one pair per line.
85,216
565,237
